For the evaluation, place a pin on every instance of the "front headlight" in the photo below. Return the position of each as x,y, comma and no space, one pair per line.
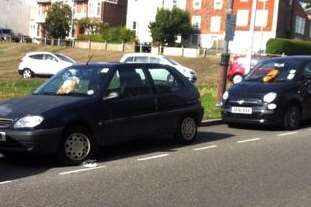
28,122
225,96
270,97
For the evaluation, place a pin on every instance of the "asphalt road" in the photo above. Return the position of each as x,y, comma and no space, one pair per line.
225,167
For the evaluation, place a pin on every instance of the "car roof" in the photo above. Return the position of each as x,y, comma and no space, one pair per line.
294,57
142,55
113,64
38,53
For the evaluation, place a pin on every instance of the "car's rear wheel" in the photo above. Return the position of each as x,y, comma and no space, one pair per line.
78,145
292,117
27,73
237,79
187,130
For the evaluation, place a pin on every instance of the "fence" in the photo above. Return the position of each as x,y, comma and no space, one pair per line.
115,47
184,52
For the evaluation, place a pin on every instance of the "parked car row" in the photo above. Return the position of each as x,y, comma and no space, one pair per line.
85,106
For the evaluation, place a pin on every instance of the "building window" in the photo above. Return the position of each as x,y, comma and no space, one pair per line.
242,18
218,4
261,18
196,22
215,24
134,25
98,8
196,4
300,24
174,3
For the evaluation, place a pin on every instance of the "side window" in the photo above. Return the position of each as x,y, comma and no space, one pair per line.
129,60
36,57
154,60
130,82
165,81
307,71
139,59
49,57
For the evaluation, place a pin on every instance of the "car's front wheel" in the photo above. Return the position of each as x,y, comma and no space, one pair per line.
77,146
292,117
27,73
187,130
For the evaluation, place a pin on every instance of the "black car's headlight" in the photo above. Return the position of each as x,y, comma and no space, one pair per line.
28,122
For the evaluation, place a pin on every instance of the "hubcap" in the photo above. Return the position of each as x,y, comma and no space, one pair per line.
188,128
293,118
27,74
77,146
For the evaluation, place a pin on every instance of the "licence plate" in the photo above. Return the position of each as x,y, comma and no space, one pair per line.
2,137
241,110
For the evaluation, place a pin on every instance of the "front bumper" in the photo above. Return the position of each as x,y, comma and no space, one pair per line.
43,141
260,116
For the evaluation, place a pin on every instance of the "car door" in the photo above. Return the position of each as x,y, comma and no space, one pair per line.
129,104
171,96
51,64
306,90
36,63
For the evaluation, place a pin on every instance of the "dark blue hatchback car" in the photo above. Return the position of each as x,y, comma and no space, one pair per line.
87,106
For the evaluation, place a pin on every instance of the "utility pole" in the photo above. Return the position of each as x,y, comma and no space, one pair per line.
225,56
252,35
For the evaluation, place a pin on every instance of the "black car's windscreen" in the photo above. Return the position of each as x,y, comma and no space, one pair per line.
74,82
274,71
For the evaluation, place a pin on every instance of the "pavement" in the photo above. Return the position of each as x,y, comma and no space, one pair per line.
227,167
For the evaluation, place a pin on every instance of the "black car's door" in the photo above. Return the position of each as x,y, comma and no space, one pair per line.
129,104
171,97
306,91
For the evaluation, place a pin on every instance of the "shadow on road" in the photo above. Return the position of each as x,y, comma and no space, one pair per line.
26,166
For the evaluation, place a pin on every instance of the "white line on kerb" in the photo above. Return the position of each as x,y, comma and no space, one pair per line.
6,182
204,148
152,157
249,140
81,170
287,134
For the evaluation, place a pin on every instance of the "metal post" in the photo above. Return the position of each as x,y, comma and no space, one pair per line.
224,62
252,33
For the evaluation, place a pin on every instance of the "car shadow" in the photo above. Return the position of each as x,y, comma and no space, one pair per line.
164,144
31,165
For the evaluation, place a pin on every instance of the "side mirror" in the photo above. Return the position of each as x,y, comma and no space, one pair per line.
111,95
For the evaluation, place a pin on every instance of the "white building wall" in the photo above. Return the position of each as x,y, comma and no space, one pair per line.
15,15
143,12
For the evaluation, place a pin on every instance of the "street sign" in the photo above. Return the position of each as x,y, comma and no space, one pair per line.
230,28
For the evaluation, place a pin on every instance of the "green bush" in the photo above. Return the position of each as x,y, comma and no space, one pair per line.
113,35
288,47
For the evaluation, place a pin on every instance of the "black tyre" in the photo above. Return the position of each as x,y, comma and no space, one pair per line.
187,130
27,73
77,146
292,117
233,125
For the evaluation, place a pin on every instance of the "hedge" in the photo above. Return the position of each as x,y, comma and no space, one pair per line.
113,35
288,47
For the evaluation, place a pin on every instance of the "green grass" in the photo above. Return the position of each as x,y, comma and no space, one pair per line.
11,89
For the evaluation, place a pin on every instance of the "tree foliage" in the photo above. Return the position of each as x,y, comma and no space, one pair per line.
91,26
58,19
169,24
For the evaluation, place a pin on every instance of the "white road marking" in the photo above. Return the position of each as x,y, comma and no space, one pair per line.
287,134
6,182
152,157
248,140
81,170
204,148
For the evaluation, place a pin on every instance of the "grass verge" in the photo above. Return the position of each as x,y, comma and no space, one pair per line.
11,89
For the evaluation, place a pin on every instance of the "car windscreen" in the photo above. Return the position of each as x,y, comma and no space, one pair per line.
64,58
171,61
75,82
278,70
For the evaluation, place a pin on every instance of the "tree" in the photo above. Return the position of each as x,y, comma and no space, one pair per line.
91,26
169,24
58,19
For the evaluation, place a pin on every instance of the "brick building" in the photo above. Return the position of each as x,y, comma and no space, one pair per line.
112,12
273,18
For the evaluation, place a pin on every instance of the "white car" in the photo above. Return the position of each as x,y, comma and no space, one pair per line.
152,58
43,64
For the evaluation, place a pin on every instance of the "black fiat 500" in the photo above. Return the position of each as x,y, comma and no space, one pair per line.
277,91
87,106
